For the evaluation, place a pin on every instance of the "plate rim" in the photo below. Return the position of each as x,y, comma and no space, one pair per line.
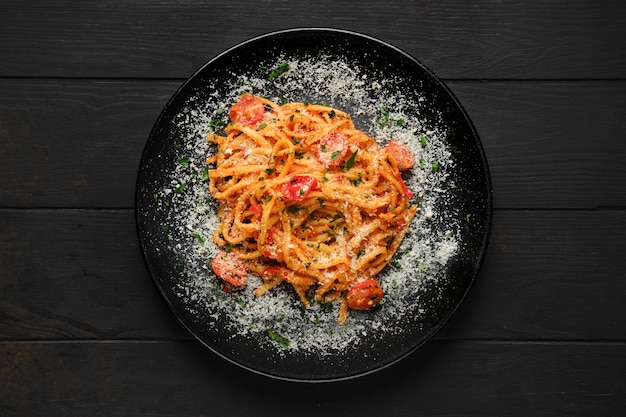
484,167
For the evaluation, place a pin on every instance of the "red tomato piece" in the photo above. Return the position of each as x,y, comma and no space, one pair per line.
364,294
298,188
401,153
332,149
271,249
249,110
405,190
257,211
230,268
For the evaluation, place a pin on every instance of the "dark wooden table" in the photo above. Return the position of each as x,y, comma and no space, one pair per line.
84,332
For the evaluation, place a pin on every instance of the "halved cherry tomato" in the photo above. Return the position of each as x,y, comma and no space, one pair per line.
401,153
230,268
257,212
405,190
364,294
249,110
332,149
298,188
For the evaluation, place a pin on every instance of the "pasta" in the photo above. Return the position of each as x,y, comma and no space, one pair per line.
307,199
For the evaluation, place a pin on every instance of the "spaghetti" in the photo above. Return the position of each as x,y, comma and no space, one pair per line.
306,198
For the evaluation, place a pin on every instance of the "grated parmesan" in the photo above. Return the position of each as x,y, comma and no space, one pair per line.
422,256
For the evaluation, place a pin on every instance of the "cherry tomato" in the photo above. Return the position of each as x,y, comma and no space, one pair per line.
401,153
249,110
230,268
257,212
364,294
332,149
405,190
298,188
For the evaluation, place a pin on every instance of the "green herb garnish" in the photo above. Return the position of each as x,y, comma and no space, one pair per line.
281,69
199,237
281,340
180,188
350,162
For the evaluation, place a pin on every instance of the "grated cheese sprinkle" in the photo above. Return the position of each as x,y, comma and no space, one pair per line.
421,258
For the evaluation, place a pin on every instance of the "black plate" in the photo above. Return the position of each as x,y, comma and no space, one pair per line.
167,211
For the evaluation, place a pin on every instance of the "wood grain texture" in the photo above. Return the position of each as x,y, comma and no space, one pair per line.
78,274
75,143
83,330
441,379
485,39
78,143
551,144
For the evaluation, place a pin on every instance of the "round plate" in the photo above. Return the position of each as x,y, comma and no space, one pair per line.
390,95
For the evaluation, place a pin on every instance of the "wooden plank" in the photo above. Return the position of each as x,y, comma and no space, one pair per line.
74,143
549,275
488,39
78,274
549,144
441,379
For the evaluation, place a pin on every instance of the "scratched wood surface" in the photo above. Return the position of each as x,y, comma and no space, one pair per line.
83,330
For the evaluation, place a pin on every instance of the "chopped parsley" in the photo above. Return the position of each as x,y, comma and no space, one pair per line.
281,69
281,340
180,188
199,237
382,118
350,162
228,248
356,181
